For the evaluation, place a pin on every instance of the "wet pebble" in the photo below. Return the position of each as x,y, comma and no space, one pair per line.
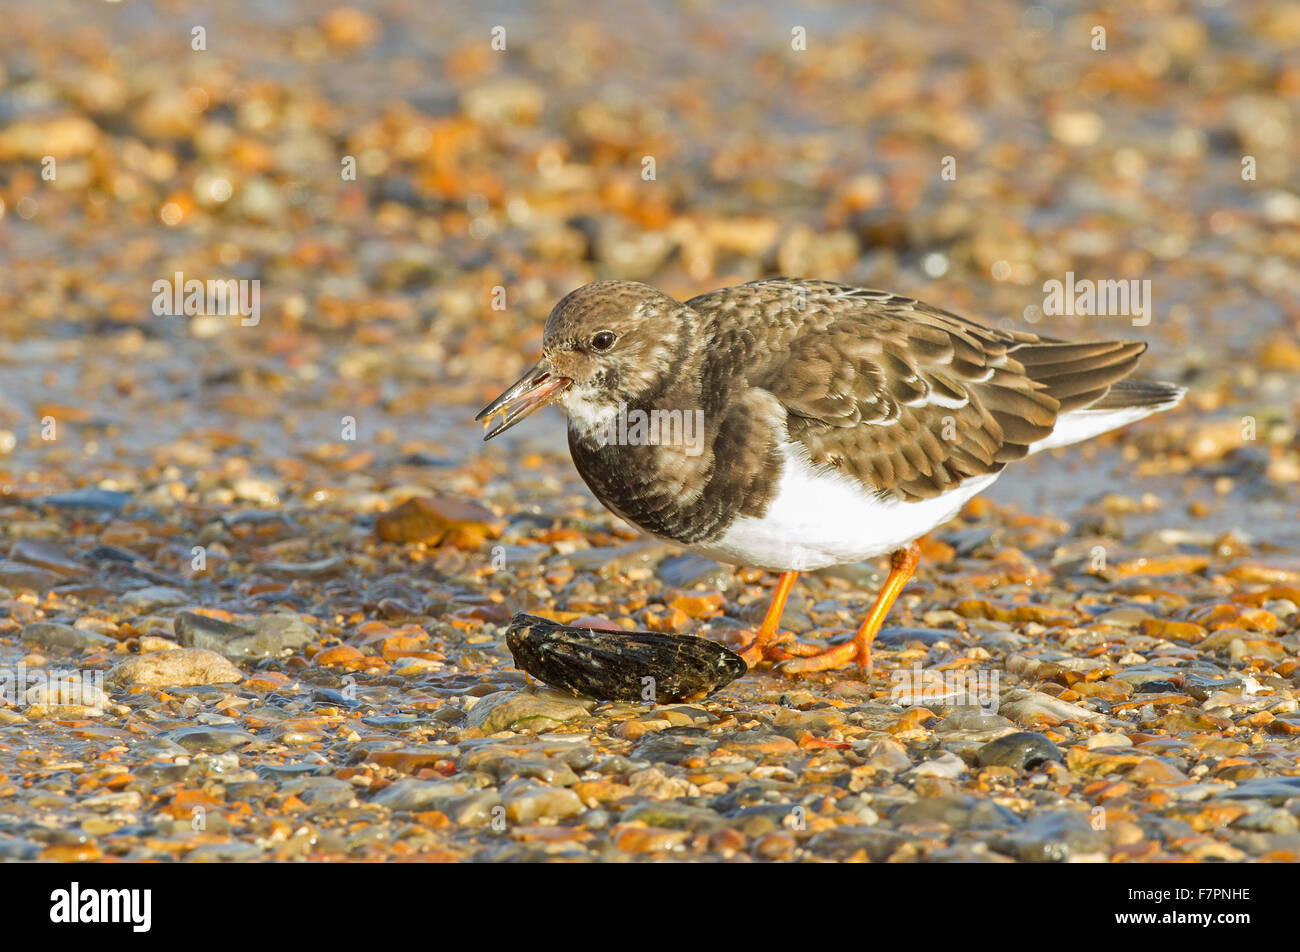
1271,789
23,577
1033,708
527,801
947,765
691,570
896,637
1024,751
973,724
181,667
268,636
1053,837
98,500
412,794
43,634
209,738
46,556
154,596
521,710
17,848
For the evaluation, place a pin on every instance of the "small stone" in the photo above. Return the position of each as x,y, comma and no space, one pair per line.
114,800
319,568
154,596
893,636
947,765
13,847
99,500
1024,751
21,577
62,136
1154,770
1100,763
973,724
522,710
954,809
150,643
656,785
219,739
348,28
465,525
700,604
1274,790
1107,740
857,842
67,691
46,634
635,838
344,656
526,801
1035,709
472,809
1053,837
636,252
1077,127
888,755
268,636
46,556
176,668
1124,617
71,853
505,101
689,570
236,851
1270,820
674,815
412,794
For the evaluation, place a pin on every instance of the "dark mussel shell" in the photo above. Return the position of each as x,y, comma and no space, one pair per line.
614,665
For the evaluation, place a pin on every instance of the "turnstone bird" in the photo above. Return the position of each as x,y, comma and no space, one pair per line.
836,423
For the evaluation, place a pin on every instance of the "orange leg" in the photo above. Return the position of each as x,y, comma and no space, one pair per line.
902,565
769,631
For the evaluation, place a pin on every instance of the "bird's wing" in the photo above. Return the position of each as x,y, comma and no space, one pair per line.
912,400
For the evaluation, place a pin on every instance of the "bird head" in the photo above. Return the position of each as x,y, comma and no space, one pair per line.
605,344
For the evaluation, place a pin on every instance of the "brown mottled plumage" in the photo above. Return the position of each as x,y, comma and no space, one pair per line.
837,422
870,380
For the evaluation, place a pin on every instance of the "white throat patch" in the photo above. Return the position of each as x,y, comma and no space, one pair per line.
587,415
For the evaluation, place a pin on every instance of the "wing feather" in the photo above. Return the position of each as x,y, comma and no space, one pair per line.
908,398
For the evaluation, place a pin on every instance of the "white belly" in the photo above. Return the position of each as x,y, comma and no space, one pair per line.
821,517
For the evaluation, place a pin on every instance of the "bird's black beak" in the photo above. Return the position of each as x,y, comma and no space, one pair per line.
530,392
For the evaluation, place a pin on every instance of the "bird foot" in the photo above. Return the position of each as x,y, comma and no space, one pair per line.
784,649
840,656
767,647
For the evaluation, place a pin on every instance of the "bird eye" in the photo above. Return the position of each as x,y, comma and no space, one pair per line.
603,341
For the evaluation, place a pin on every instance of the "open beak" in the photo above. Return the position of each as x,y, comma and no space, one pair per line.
530,392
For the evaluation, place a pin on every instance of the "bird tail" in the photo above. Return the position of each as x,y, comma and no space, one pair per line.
1125,402
1125,394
